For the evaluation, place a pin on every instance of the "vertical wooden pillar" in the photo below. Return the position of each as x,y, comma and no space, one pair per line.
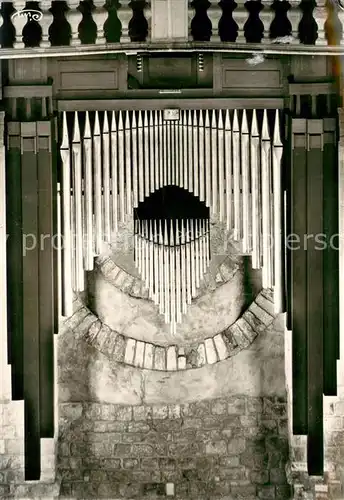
315,295
46,271
297,252
14,258
31,303
331,257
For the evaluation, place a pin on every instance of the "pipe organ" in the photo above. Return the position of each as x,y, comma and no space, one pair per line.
112,165
112,162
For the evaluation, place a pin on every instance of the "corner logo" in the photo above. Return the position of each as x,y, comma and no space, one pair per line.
30,14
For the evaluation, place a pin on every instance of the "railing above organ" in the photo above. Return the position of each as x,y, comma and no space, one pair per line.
72,23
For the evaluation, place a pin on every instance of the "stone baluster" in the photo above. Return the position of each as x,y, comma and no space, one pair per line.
191,15
294,16
340,14
19,21
124,14
147,11
266,16
74,17
320,16
45,22
240,16
100,15
214,13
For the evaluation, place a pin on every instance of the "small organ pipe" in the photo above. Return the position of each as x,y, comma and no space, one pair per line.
167,275
214,155
221,151
246,209
192,257
265,165
277,194
106,166
188,263
207,160
146,152
236,178
228,170
140,155
151,152
134,162
88,197
195,155
183,268
185,150
165,152
190,154
67,308
77,198
121,164
128,165
161,155
156,149
181,152
98,186
178,276
256,212
169,156
172,278
114,173
201,158
161,269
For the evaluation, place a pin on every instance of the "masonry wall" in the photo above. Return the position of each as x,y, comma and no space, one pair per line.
233,447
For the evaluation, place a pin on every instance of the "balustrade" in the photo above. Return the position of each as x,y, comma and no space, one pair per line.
240,21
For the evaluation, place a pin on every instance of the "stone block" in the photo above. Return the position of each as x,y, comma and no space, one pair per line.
228,462
278,476
139,354
216,448
172,358
254,405
266,304
14,447
130,351
142,412
124,413
198,409
160,412
160,358
267,492
239,337
174,411
76,318
284,492
149,353
261,314
181,362
210,351
142,450
218,407
130,463
85,325
107,266
92,332
221,347
246,492
119,349
259,477
256,324
122,450
247,329
236,405
236,446
105,341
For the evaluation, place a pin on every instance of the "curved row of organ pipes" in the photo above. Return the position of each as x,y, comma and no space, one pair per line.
172,258
113,161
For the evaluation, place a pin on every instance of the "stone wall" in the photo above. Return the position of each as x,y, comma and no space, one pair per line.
233,447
